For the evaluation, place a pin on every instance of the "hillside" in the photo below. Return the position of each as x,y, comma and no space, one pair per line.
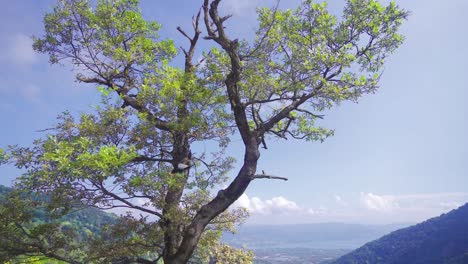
442,239
84,221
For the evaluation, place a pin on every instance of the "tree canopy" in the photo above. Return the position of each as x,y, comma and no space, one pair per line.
136,149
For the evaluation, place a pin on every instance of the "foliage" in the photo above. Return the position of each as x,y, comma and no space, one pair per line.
224,254
94,227
26,231
35,260
135,150
308,53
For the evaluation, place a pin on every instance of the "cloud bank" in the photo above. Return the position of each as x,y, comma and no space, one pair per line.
276,205
367,208
378,203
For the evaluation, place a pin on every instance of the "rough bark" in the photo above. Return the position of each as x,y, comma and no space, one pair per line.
171,228
221,202
228,196
181,154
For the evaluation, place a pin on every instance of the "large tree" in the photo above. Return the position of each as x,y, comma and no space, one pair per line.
137,150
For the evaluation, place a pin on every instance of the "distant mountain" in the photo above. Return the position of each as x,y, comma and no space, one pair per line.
317,236
440,240
4,190
84,221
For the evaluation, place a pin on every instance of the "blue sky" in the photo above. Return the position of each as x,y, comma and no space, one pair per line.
398,156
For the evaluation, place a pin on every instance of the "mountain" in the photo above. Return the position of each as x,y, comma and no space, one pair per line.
440,240
4,190
84,221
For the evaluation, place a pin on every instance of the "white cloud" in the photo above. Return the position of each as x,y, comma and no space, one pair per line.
20,51
276,205
450,205
243,202
365,208
407,208
413,202
238,7
280,210
340,200
379,203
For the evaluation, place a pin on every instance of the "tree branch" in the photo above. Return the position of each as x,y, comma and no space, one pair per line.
131,205
145,158
128,100
271,177
268,125
185,34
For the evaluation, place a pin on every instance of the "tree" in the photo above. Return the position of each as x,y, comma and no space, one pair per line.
21,240
138,144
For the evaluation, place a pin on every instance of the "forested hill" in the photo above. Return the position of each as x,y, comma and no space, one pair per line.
442,239
4,190
84,221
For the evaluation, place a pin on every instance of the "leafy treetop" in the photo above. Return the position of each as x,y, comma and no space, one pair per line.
135,149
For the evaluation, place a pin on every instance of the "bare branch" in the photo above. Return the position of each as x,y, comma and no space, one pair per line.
145,158
225,18
264,101
271,177
206,18
129,204
185,34
184,51
309,113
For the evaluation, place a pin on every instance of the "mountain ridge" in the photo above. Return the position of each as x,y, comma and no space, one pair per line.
442,239
84,221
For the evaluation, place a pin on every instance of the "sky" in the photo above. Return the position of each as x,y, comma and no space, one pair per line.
400,155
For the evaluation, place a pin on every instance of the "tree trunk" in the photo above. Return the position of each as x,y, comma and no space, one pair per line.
220,203
172,234
228,196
